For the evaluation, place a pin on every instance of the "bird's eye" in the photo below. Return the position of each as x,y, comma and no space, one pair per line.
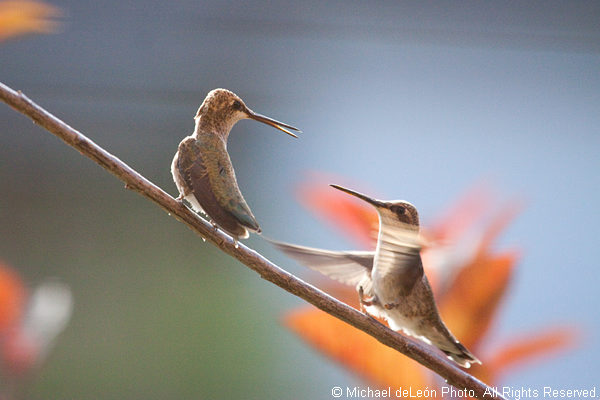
399,210
237,105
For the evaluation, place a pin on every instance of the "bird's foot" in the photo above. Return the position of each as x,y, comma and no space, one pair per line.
367,302
364,302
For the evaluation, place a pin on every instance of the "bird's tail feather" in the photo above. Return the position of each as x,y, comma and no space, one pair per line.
461,355
454,350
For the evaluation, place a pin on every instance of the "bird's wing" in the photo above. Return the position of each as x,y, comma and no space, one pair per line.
207,170
348,267
399,258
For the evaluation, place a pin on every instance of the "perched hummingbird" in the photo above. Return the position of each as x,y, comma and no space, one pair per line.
202,168
390,281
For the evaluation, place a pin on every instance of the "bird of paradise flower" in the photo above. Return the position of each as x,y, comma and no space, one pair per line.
30,321
470,281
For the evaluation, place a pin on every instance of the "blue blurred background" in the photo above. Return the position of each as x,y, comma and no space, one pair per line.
417,100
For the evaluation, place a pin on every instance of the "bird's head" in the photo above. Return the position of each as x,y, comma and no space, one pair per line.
390,212
222,109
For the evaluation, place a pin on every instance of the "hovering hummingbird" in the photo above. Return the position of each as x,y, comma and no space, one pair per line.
390,281
202,168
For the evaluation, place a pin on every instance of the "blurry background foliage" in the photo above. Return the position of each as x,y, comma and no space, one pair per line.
420,100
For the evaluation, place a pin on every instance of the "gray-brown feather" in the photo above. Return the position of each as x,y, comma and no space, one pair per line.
417,315
206,169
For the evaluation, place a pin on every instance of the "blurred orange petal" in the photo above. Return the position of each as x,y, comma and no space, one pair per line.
12,297
471,303
358,221
357,351
533,346
20,17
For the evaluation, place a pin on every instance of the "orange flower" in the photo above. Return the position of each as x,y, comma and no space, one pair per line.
12,296
470,281
21,17
29,323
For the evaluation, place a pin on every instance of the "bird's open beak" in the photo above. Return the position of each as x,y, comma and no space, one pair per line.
370,200
274,123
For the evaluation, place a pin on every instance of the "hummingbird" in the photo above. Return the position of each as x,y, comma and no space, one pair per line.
202,169
390,281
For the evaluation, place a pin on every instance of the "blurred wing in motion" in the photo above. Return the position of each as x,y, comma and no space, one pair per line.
347,267
398,256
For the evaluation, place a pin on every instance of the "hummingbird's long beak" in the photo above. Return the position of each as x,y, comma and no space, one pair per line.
274,123
370,200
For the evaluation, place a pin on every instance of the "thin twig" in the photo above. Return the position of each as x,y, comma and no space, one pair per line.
253,260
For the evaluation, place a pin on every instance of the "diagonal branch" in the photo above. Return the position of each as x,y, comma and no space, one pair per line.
253,260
